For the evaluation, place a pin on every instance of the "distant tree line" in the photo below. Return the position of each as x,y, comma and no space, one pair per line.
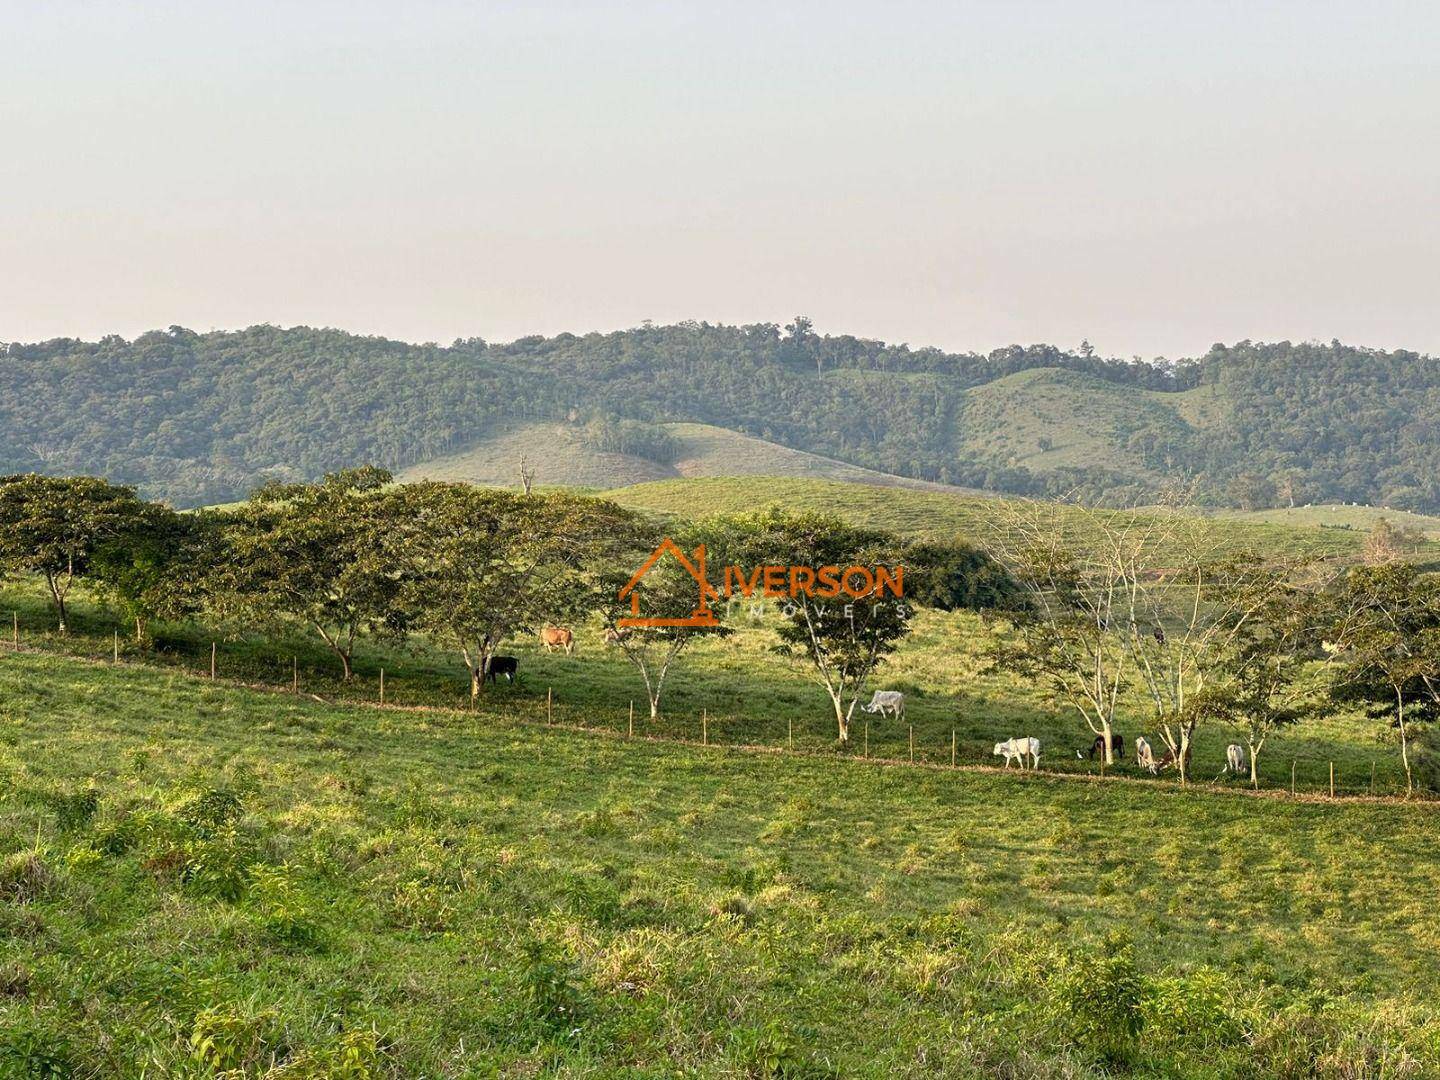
202,418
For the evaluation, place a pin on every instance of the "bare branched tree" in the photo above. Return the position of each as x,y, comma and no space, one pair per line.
1147,597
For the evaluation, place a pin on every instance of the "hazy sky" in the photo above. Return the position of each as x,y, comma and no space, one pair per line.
1152,176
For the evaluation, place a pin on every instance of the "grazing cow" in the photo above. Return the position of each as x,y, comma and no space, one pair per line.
1117,746
1234,759
886,703
1144,756
1019,750
614,636
501,665
557,637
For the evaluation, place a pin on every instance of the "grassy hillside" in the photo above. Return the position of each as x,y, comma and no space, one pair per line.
203,418
737,692
200,879
1048,419
557,453
561,457
923,512
1360,518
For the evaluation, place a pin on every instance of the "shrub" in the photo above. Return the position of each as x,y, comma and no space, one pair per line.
211,810
218,863
74,809
552,990
225,1040
34,1053
355,1055
1194,1008
772,1051
1098,1001
285,913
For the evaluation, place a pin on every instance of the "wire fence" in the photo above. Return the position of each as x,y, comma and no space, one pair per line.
887,741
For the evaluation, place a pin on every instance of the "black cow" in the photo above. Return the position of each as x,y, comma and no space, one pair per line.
1117,744
501,665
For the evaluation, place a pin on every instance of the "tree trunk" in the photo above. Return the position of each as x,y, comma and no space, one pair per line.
59,598
1404,743
842,722
1105,733
1255,767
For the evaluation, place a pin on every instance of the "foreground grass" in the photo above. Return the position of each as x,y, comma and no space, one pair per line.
196,878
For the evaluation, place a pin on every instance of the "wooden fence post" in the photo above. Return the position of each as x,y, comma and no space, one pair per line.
382,686
1372,778
1332,779
294,674
549,705
15,630
630,731
1292,776
867,738
115,648
790,731
952,747
912,742
213,653
704,727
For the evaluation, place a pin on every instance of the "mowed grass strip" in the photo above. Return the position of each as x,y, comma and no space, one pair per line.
199,878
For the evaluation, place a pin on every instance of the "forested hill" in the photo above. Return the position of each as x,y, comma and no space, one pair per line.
198,418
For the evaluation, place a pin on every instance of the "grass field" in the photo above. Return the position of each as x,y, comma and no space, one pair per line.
738,691
1339,516
204,879
560,457
937,514
201,880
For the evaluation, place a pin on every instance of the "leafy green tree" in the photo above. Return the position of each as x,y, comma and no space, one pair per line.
479,565
1387,633
54,526
954,576
842,638
155,568
316,554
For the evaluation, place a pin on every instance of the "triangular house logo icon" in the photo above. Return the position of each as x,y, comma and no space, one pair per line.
695,567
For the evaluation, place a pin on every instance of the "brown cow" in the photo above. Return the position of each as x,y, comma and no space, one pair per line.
558,637
614,636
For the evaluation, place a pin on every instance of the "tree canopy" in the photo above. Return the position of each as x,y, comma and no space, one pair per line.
203,418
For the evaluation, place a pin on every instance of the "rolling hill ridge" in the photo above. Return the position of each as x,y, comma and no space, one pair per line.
197,418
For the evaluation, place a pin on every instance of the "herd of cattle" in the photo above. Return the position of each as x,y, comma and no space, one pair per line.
891,703
1026,750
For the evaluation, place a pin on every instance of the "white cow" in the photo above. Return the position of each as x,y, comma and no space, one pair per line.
886,703
1235,758
1144,756
1019,750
